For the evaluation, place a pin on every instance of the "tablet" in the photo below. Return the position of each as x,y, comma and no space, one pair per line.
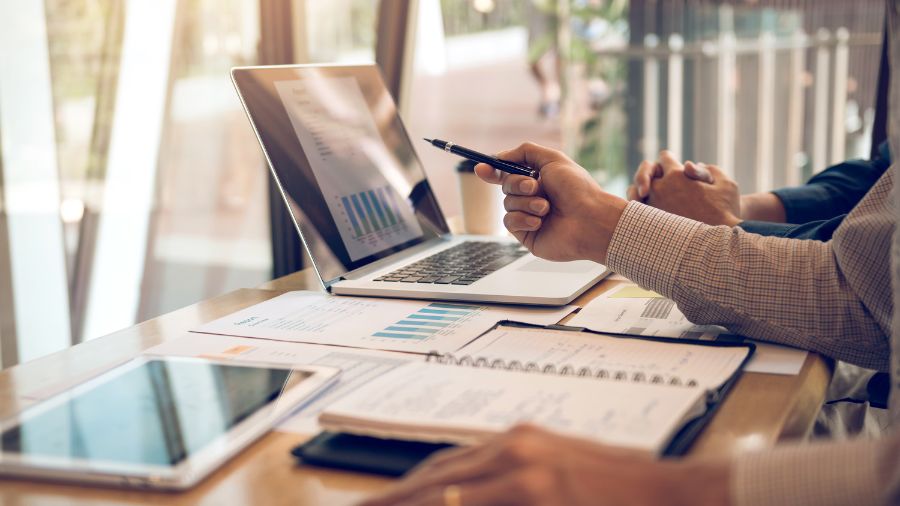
154,423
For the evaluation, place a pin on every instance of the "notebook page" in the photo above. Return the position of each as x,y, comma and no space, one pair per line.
436,402
709,366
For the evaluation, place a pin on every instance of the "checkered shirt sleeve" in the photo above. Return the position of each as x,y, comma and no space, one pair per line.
833,298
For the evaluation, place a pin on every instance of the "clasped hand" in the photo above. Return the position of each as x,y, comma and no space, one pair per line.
693,190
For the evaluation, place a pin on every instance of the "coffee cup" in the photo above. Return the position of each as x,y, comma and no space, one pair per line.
482,203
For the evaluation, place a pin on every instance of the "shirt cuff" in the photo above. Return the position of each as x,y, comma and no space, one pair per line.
817,474
647,246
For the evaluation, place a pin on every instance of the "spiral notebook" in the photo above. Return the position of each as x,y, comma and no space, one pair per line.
639,393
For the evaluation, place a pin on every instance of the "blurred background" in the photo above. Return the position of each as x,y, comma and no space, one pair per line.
132,184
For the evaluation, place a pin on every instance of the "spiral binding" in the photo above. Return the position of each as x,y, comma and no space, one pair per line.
564,370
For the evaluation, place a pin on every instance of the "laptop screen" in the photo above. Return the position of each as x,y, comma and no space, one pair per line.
343,162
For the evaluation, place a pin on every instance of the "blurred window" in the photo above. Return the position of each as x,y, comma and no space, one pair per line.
133,184
772,91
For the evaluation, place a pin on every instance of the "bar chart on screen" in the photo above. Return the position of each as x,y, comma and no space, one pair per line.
372,212
351,164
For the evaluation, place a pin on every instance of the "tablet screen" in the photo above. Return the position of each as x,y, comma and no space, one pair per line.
158,413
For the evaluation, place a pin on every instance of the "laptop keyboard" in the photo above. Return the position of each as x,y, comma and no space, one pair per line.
463,264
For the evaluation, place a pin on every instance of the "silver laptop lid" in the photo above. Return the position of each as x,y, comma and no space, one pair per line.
343,162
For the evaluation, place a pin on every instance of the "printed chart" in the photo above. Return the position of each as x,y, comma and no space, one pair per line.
363,322
429,321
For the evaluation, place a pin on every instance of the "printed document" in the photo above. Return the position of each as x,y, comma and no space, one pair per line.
383,324
629,309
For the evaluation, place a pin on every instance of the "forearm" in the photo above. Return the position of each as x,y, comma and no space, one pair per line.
782,290
762,207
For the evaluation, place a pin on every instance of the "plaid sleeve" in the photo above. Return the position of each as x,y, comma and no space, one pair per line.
648,244
833,298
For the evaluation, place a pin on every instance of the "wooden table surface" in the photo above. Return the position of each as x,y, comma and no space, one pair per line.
761,410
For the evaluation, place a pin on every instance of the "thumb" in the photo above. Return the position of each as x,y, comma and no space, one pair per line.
716,173
699,172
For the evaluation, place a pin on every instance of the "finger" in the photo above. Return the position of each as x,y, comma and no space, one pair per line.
533,155
493,446
716,173
646,171
631,193
501,489
444,457
489,174
520,185
518,221
668,162
531,205
698,171
481,463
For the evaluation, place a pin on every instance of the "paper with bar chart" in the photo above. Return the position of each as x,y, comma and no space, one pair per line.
383,324
351,163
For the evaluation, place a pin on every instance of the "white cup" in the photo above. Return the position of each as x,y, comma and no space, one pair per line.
482,203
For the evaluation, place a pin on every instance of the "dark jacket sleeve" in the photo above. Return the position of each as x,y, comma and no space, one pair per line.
834,191
820,230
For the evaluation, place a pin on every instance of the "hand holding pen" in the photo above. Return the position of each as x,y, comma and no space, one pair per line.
475,156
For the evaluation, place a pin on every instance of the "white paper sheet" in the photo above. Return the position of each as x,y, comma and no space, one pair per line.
629,309
382,324
358,367
432,402
775,359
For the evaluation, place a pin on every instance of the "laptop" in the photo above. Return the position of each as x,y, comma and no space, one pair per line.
362,205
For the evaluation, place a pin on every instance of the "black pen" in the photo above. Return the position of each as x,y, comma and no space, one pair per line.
475,156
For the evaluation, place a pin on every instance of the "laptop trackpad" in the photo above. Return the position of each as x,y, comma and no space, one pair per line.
577,267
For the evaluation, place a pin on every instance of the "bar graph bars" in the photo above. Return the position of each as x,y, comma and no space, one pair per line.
427,321
371,211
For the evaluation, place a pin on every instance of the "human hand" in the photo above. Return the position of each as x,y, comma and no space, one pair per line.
562,216
693,190
531,466
716,203
648,171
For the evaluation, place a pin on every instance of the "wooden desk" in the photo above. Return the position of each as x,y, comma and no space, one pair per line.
762,410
